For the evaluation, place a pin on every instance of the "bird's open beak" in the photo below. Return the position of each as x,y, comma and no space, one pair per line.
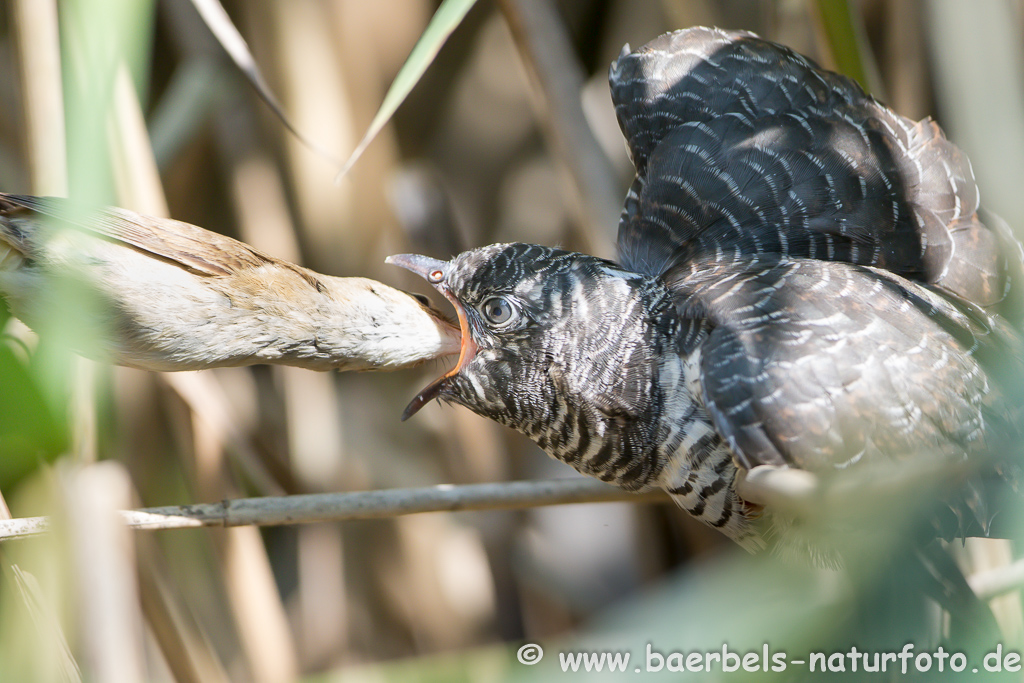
435,272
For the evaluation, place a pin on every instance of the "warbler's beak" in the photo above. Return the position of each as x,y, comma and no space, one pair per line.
436,273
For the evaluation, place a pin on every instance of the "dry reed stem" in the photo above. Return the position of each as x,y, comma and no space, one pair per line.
337,507
185,647
104,572
546,50
36,26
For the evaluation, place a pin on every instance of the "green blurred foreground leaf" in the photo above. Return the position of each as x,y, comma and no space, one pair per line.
837,21
29,431
448,16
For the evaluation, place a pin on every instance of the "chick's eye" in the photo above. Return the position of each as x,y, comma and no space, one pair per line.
497,310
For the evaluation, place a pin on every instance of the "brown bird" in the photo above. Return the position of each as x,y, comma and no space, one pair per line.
177,297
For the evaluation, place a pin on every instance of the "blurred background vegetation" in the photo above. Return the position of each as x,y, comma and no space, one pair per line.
510,135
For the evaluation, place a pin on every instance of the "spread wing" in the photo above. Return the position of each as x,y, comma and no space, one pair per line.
743,147
819,364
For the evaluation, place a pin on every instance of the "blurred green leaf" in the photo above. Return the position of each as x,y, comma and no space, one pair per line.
30,433
97,37
838,23
448,16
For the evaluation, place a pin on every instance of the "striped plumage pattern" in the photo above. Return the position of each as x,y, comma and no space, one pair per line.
804,280
595,373
744,147
581,370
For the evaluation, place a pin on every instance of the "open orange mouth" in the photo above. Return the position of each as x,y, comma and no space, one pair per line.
434,272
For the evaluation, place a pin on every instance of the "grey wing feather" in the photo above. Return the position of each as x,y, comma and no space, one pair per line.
819,364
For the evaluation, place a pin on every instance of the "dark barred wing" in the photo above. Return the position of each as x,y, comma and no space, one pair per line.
820,365
743,147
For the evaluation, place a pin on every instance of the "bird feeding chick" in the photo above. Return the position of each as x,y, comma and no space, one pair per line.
803,280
